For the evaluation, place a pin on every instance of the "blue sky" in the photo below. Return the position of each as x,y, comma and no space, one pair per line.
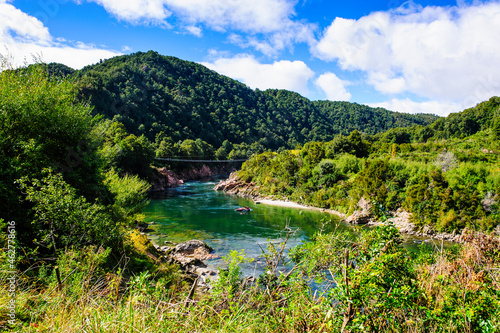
415,56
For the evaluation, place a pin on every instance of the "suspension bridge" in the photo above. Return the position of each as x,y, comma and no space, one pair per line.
170,159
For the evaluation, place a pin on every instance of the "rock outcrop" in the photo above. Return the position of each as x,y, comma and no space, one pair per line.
189,256
361,216
401,219
205,172
163,179
234,186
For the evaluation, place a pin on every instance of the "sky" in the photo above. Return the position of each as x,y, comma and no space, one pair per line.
429,56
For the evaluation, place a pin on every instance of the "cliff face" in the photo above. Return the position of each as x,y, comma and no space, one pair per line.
164,178
233,185
204,172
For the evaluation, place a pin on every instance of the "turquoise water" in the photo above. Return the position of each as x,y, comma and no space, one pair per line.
195,211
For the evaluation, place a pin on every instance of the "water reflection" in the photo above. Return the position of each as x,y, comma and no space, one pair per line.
195,211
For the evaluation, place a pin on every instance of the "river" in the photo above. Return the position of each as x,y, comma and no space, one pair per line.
195,211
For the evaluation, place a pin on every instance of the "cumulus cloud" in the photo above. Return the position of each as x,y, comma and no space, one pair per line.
269,23
290,75
408,106
333,87
25,39
439,53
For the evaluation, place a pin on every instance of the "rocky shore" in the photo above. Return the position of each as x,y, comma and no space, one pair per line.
401,219
189,257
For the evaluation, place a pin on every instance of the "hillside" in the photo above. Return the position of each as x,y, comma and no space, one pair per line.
150,94
448,179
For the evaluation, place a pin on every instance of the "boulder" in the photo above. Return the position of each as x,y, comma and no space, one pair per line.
188,264
359,217
362,216
194,247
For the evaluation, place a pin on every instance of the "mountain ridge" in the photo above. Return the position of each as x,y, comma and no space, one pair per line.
156,95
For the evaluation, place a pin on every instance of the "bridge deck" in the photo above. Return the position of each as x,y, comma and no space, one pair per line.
196,161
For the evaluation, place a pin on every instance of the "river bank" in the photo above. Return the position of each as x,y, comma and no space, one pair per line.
401,219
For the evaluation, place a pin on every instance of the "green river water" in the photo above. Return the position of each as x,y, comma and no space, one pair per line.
195,211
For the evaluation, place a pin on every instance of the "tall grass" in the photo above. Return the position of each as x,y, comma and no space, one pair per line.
456,290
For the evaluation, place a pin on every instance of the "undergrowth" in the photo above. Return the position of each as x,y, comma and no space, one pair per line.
336,282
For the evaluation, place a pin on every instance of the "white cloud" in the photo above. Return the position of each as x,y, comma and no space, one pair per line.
269,23
135,10
24,37
333,87
244,15
14,24
408,106
194,31
439,53
290,75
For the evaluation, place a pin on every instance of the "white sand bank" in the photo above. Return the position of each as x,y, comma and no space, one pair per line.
290,204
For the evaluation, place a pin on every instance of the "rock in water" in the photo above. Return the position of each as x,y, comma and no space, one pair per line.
194,247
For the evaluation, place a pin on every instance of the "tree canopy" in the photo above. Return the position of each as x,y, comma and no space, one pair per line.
152,94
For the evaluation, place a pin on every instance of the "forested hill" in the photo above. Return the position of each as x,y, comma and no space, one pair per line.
150,93
346,117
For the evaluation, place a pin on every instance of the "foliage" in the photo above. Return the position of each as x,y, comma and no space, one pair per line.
124,152
230,278
62,218
67,181
446,185
42,125
152,94
130,195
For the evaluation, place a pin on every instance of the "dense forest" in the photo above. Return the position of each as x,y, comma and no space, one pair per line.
76,149
170,100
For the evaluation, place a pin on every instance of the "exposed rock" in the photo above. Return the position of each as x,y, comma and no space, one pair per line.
364,204
234,186
163,179
192,247
359,217
205,272
188,264
205,171
362,216
401,221
165,249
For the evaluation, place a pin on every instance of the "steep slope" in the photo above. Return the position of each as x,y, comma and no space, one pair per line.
446,183
346,117
151,93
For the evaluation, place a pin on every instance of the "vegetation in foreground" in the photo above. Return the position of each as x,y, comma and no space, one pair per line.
360,284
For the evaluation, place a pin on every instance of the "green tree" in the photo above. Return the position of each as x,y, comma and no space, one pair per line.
62,218
223,152
43,125
130,195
